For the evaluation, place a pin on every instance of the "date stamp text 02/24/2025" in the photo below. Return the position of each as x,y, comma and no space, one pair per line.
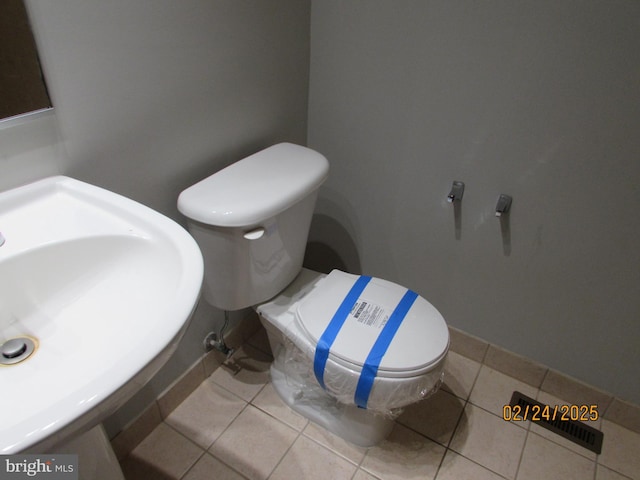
537,413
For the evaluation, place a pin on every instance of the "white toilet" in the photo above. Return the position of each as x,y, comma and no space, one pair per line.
349,351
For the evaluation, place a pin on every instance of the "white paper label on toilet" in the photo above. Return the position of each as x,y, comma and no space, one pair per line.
254,234
369,313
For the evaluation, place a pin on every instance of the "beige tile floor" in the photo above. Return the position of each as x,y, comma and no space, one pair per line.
233,426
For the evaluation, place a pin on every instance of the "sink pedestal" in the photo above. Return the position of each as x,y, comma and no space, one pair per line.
96,458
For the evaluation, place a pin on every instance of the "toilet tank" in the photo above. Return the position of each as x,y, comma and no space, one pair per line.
251,221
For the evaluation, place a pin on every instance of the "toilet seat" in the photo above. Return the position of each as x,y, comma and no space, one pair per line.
420,342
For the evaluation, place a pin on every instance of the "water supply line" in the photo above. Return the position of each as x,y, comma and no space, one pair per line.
215,340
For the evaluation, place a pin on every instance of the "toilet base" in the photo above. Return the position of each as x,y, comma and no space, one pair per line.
356,425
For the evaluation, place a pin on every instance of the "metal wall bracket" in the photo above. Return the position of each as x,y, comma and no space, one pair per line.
457,191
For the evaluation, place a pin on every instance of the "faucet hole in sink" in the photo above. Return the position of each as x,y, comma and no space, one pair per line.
16,350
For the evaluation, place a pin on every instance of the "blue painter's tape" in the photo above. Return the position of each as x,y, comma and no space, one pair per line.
372,363
331,332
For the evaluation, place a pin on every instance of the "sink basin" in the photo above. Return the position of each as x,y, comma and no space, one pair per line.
103,287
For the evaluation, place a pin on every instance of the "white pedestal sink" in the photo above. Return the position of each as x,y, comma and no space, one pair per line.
101,288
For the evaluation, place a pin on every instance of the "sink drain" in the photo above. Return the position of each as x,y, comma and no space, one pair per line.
16,350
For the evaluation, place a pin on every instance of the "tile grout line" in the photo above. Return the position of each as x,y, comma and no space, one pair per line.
285,453
202,453
272,415
205,451
524,445
446,450
546,374
595,468
468,402
455,429
358,465
470,460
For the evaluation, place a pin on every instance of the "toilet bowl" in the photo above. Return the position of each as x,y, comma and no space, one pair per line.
349,350
410,369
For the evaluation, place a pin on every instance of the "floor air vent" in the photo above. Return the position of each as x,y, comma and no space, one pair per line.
558,420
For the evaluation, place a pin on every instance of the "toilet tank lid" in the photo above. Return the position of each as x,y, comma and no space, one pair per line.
255,188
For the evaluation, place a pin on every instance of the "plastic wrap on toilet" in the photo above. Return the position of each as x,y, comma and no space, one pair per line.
388,396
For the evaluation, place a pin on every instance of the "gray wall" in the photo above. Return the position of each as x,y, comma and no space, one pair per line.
153,95
536,99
